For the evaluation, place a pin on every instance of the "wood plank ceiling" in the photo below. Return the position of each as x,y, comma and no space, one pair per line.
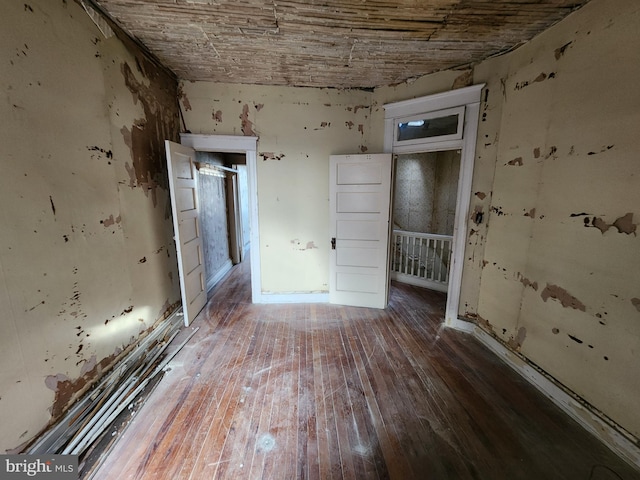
329,43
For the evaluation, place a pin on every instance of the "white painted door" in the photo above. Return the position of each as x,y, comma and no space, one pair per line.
360,193
183,186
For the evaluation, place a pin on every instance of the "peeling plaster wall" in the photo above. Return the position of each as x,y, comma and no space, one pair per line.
87,262
298,129
553,269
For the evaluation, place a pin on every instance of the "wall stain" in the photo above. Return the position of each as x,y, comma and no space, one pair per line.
145,138
517,341
565,298
552,153
515,162
363,149
527,283
623,224
636,303
247,125
182,95
555,330
258,106
271,156
480,195
559,52
217,115
66,389
497,210
477,214
143,260
107,222
536,152
531,213
540,78
53,207
602,150
575,339
463,80
95,148
349,124
28,8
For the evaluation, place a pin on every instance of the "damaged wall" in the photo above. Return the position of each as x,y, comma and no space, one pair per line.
87,262
298,129
551,263
553,267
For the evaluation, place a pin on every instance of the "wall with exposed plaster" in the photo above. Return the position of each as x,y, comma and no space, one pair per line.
551,262
553,267
87,262
298,129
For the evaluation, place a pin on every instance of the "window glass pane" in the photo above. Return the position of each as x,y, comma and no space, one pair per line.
425,128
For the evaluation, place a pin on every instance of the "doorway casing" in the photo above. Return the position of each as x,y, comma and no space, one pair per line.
468,97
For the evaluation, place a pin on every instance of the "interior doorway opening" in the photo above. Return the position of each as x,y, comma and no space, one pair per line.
223,212
435,123
423,215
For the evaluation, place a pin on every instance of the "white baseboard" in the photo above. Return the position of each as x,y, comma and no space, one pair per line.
462,325
292,298
219,275
622,443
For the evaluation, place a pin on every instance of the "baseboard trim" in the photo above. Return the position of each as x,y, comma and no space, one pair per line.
219,275
623,443
293,298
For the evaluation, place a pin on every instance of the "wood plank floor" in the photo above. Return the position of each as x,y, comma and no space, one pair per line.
319,391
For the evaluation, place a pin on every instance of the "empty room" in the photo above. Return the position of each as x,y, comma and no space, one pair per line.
321,239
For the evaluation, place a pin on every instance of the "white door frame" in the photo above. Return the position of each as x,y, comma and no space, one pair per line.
248,146
468,97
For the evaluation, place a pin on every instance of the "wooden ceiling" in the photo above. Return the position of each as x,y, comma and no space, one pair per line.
329,43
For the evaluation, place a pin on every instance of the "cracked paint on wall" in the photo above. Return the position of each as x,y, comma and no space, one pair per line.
560,294
145,138
80,235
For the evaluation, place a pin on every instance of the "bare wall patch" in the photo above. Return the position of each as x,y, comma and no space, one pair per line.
145,138
560,294
247,125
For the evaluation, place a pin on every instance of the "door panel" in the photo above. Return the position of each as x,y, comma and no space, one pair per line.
359,213
183,185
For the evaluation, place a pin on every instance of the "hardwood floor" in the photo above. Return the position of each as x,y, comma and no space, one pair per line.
319,391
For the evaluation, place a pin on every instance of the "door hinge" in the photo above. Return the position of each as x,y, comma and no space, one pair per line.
333,243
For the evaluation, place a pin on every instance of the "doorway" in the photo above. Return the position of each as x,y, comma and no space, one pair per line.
237,147
423,217
223,212
437,123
